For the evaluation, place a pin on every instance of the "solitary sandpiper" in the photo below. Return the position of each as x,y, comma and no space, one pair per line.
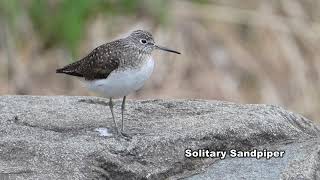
117,68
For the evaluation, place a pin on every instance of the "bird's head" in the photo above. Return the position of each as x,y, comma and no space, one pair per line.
144,41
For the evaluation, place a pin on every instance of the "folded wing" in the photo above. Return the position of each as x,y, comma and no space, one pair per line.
96,65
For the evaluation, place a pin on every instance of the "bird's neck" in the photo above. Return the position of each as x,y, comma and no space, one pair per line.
134,60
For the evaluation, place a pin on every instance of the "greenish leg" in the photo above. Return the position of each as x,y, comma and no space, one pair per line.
122,110
111,109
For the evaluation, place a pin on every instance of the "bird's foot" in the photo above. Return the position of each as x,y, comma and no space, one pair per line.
123,135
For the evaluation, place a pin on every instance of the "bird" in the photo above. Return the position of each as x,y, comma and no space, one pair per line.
117,68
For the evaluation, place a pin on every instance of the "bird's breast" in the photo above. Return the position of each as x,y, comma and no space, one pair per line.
122,82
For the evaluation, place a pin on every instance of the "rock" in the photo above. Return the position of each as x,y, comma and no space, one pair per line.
301,161
55,138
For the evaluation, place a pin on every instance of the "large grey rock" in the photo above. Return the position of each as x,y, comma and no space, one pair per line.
55,138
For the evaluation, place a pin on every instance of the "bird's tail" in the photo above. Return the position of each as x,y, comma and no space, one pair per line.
61,70
70,69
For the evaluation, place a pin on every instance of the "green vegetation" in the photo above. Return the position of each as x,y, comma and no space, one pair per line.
10,10
63,22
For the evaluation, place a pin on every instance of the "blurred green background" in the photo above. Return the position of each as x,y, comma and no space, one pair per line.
245,51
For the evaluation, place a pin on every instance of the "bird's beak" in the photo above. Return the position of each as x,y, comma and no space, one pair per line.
166,49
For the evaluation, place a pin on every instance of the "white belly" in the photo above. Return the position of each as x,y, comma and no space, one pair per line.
122,83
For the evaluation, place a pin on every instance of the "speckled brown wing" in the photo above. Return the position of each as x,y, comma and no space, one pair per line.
96,65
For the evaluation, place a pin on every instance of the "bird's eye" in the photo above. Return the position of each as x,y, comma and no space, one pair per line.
143,41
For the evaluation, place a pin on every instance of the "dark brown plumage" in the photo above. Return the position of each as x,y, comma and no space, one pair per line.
98,64
122,53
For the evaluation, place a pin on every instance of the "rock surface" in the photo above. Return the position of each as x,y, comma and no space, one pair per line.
55,138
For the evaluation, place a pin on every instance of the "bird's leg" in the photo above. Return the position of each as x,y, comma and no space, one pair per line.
122,110
111,109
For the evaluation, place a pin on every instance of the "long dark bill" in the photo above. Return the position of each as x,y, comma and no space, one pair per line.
166,49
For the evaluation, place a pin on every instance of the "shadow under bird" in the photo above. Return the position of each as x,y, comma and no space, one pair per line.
117,68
